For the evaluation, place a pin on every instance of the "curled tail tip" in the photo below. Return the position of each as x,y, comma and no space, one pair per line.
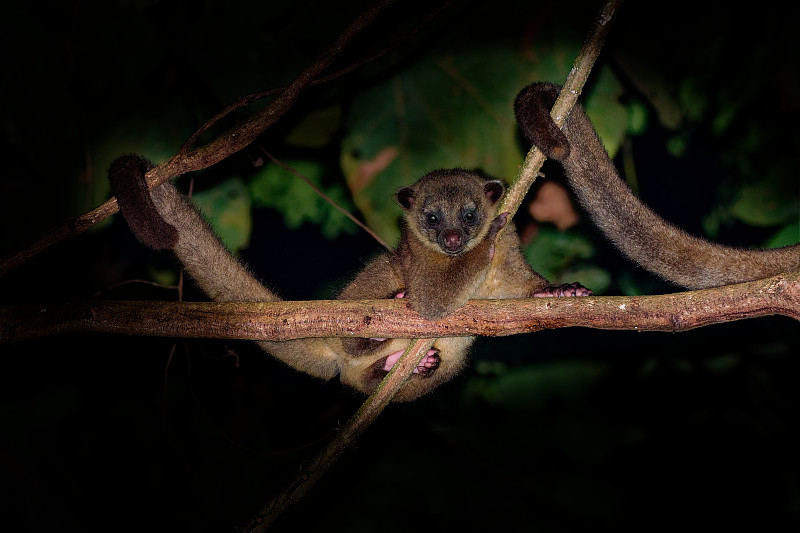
532,109
128,185
559,152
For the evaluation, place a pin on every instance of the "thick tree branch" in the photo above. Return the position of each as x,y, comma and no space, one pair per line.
281,321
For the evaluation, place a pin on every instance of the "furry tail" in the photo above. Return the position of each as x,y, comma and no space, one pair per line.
154,216
634,228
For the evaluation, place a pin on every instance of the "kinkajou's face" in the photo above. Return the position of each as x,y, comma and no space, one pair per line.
450,210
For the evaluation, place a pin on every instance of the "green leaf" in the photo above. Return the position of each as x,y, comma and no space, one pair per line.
280,189
637,118
554,252
441,112
789,234
533,386
767,202
693,99
316,129
633,285
454,110
167,277
609,116
676,145
227,209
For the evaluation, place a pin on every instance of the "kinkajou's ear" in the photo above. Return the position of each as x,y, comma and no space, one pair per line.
126,175
493,190
405,197
532,109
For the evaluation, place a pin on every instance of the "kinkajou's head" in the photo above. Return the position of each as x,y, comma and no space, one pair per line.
450,210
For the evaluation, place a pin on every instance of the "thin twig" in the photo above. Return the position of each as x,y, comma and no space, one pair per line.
254,97
326,198
226,144
357,424
570,92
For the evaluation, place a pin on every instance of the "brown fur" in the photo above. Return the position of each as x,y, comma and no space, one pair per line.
134,201
437,270
438,280
634,228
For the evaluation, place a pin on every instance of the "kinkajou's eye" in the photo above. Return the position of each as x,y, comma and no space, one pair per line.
469,216
432,219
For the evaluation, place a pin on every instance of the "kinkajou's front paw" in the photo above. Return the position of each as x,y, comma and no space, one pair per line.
559,291
399,294
497,224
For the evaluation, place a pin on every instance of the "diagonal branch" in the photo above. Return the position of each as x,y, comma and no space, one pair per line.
533,162
254,97
419,347
570,92
226,144
327,198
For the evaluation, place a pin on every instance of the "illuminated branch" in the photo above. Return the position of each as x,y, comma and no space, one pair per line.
281,321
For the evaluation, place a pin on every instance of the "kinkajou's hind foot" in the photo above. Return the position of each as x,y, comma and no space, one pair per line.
559,291
429,363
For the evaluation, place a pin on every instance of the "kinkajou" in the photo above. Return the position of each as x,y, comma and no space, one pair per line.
445,256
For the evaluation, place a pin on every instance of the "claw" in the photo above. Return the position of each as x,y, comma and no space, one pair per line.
566,290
